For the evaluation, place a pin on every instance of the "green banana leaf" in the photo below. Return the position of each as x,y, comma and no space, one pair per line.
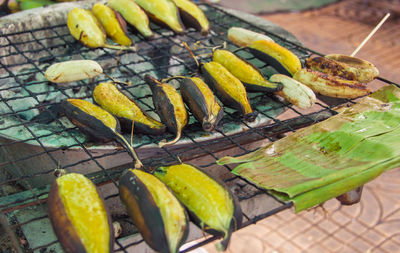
329,158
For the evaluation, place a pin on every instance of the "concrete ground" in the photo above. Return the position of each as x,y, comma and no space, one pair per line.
373,225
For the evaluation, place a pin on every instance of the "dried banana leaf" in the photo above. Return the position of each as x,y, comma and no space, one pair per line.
330,158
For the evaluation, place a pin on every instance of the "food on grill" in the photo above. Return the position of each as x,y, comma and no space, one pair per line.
96,123
193,16
133,14
346,67
113,24
280,58
243,37
85,27
70,71
126,110
331,86
228,89
202,102
155,211
169,106
79,216
210,205
362,69
163,12
248,74
294,92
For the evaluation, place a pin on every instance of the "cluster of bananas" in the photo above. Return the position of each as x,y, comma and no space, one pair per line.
334,75
92,27
158,204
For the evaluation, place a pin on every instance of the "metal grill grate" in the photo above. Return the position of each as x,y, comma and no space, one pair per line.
24,93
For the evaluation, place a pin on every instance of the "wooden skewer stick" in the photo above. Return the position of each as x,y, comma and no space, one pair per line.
371,34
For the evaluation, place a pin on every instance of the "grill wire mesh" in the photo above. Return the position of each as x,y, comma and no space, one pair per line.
33,56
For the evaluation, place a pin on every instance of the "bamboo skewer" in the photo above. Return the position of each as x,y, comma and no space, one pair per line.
371,34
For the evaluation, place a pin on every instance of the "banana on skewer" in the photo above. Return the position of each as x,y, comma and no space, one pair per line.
331,86
346,67
243,37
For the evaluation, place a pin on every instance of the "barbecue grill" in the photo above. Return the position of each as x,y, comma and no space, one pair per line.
35,141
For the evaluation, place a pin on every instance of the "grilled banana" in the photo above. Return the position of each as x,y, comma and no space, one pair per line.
294,92
243,37
193,16
78,215
202,103
362,69
280,58
211,205
228,89
85,27
133,14
164,12
169,106
126,110
113,24
331,86
248,74
70,71
96,123
155,211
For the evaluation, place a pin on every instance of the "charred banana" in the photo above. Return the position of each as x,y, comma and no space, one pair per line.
70,71
155,211
96,123
211,205
85,28
331,86
362,69
78,215
126,110
169,106
243,37
193,16
113,24
228,88
202,103
294,92
164,12
280,58
133,14
248,74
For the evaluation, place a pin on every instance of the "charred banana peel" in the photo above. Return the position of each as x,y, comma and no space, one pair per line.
155,211
280,58
169,106
229,89
70,71
243,37
201,102
363,70
193,16
96,123
128,112
248,74
294,92
78,215
85,28
210,205
164,12
113,24
331,86
133,14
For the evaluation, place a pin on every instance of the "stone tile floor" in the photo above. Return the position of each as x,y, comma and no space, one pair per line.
373,225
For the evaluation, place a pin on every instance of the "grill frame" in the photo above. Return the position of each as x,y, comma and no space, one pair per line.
33,197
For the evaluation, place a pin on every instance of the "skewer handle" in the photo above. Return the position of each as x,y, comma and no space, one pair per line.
370,34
